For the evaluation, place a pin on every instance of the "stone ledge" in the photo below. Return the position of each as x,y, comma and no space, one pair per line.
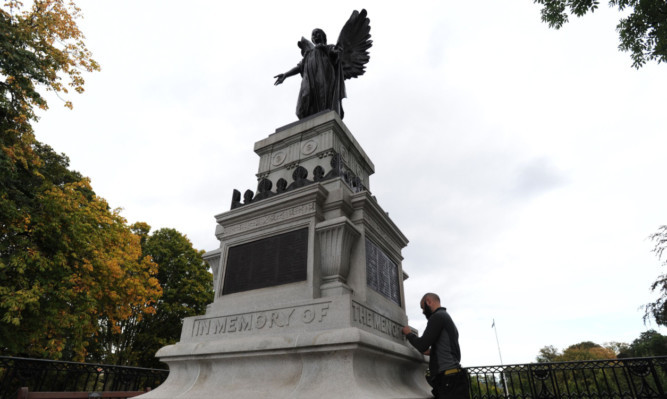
307,341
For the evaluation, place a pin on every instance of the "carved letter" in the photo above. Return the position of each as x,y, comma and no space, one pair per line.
244,325
204,327
289,316
231,327
323,311
220,325
308,316
260,321
274,319
355,312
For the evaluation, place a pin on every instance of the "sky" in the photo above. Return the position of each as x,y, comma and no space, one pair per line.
524,164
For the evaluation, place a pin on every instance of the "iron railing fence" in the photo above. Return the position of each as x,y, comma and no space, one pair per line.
637,378
640,378
51,375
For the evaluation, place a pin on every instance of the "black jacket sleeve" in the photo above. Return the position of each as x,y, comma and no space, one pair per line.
433,329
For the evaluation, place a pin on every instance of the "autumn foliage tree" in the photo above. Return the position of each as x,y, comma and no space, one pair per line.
649,343
67,261
578,352
187,288
587,351
41,48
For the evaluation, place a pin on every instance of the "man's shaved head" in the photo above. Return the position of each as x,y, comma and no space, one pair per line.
431,296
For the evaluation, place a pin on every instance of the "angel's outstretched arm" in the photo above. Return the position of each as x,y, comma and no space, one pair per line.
281,77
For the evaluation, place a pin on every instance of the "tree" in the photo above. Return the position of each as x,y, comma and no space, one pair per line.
71,269
658,309
617,347
66,262
650,343
586,350
643,32
39,46
187,288
548,354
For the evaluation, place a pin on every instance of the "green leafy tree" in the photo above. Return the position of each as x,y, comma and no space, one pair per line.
642,31
658,309
187,288
650,343
548,354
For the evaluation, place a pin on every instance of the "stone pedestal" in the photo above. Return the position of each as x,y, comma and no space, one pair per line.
308,284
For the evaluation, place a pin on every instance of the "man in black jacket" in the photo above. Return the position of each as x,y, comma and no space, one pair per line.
441,342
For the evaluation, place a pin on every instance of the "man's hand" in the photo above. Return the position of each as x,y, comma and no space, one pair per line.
406,330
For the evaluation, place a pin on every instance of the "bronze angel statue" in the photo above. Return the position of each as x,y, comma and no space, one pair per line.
325,67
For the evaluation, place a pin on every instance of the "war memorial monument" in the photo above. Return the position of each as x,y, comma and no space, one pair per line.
308,280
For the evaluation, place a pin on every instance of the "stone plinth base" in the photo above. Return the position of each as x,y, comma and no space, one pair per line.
343,363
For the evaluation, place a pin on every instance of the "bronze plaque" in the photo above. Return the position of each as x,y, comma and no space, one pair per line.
382,273
281,259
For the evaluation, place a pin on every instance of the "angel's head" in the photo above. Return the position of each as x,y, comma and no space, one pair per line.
319,37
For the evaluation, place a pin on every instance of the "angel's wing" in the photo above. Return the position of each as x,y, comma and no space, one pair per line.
305,45
354,39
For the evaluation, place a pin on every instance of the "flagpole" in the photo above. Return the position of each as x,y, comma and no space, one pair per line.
495,329
497,342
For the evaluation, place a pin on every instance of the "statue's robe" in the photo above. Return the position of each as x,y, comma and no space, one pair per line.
322,83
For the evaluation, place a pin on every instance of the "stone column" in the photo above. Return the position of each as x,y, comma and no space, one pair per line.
335,238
